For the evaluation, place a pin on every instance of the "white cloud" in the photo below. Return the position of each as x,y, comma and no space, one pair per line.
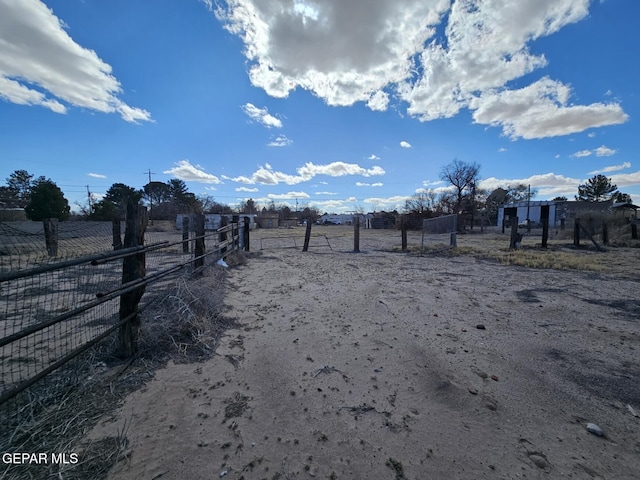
582,153
40,64
612,168
373,157
404,144
267,176
96,175
362,184
428,183
247,189
541,110
378,101
287,196
388,203
549,185
261,115
326,193
280,141
502,149
603,151
184,170
348,52
591,134
626,179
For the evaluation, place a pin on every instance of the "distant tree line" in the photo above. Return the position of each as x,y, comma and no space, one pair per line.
42,198
463,196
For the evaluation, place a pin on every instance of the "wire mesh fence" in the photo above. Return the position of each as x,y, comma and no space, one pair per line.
52,309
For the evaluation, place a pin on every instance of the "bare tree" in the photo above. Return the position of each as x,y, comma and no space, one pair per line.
463,177
421,202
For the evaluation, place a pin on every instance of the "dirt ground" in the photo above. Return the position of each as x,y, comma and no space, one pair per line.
383,365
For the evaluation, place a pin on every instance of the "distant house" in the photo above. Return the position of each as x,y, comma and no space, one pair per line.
212,221
532,211
382,220
12,215
269,220
625,210
336,219
561,213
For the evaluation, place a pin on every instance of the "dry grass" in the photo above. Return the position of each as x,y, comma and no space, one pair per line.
41,425
187,323
551,259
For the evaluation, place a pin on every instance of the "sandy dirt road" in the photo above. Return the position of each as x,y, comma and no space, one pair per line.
383,365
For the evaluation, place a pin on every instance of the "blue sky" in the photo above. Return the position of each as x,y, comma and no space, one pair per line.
339,105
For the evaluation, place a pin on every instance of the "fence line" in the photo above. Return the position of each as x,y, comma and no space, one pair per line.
51,312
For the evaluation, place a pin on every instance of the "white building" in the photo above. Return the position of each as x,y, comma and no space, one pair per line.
212,220
531,211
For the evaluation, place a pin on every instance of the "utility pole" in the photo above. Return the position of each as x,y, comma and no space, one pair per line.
528,209
90,199
150,198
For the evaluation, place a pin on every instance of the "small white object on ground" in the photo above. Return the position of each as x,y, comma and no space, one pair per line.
595,429
222,263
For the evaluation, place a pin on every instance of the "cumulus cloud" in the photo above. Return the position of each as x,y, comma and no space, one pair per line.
547,184
96,175
287,196
362,184
541,110
626,179
603,151
373,157
261,115
612,168
184,170
280,141
387,203
582,153
438,56
267,176
40,64
247,189
404,144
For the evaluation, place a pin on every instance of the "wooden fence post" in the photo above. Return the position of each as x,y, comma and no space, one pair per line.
235,230
307,235
545,232
222,236
198,252
133,268
634,231
116,234
245,233
404,233
51,235
513,244
356,233
605,233
185,234
576,233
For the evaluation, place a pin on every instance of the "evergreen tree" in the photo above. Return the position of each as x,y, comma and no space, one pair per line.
47,201
597,189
